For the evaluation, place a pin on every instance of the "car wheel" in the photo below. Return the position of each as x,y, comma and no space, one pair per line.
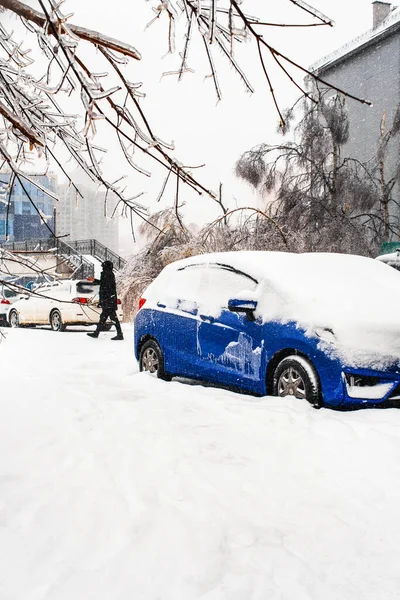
56,321
296,377
13,318
151,359
107,327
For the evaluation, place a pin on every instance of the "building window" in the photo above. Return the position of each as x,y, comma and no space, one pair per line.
26,208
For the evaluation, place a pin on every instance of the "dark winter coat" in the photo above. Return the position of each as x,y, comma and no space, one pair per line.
108,290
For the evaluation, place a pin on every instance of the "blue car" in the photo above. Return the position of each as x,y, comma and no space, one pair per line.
315,326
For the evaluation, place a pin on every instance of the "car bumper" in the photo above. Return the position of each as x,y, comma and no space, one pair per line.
369,387
3,320
85,316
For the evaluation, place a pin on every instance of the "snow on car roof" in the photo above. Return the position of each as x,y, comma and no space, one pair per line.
316,282
262,264
393,257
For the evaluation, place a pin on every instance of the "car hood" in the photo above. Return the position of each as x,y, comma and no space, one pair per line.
364,344
361,329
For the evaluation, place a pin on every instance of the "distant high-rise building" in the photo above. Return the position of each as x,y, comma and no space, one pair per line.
28,212
85,218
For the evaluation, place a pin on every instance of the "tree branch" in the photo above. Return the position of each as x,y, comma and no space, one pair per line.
20,125
94,37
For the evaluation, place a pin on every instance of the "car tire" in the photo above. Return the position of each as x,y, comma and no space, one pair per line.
56,321
151,358
296,377
107,327
13,319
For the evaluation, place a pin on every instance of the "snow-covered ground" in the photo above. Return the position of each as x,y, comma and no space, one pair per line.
117,486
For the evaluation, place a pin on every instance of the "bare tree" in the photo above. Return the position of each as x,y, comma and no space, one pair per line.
244,228
315,189
39,112
53,114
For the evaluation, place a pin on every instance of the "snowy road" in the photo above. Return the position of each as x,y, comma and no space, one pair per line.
116,486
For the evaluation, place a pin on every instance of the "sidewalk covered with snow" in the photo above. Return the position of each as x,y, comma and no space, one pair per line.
114,485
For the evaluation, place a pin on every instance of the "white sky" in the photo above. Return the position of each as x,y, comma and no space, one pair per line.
203,130
217,133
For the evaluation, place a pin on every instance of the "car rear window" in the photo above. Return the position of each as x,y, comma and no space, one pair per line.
10,293
87,287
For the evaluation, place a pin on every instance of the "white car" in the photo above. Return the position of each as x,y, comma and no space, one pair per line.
8,296
59,304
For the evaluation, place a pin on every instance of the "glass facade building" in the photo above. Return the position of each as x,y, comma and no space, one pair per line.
19,219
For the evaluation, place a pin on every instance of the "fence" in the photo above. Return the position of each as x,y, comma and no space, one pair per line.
82,267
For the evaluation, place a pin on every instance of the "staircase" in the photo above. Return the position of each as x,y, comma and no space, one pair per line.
102,253
71,253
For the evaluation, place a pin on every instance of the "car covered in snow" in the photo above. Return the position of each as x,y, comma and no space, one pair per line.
324,327
392,259
59,304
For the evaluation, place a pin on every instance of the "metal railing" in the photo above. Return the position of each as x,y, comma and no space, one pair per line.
82,268
30,246
99,251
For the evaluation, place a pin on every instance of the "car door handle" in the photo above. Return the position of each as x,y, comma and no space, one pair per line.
207,318
161,305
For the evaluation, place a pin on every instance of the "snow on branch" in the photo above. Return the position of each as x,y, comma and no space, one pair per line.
94,37
38,120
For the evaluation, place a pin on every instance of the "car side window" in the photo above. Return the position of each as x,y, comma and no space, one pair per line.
9,293
182,289
221,285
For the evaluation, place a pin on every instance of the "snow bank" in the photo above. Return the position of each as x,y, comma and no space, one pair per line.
114,485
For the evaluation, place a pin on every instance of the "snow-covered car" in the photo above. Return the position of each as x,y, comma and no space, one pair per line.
60,303
16,287
324,327
392,259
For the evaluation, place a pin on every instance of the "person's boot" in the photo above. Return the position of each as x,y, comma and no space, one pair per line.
93,334
119,335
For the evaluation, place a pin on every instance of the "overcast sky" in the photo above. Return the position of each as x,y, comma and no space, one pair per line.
203,130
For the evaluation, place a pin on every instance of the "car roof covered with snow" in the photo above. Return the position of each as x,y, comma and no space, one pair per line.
327,289
331,269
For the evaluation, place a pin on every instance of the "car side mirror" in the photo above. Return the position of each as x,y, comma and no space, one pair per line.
243,306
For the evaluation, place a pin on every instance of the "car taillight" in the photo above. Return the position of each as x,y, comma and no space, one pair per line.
119,301
81,300
141,302
5,301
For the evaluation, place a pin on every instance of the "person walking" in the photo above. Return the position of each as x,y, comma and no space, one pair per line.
108,301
